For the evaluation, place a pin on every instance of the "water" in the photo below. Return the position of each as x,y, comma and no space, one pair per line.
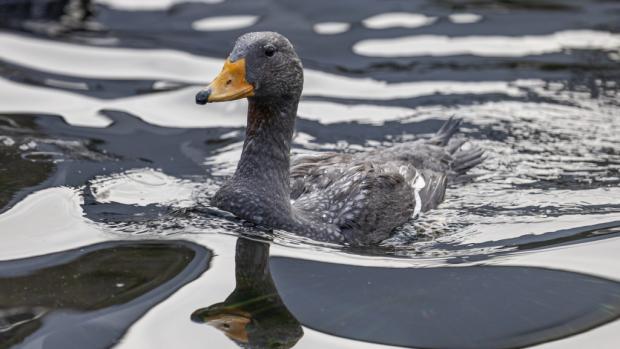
107,166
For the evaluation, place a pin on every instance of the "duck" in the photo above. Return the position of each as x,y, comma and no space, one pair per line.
341,198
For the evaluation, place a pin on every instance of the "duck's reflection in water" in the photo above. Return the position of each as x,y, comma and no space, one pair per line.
253,315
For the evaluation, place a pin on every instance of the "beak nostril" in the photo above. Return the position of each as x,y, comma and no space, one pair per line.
228,82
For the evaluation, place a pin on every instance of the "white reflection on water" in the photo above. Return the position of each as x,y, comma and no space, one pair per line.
329,112
143,187
105,62
224,23
329,85
223,161
330,28
46,221
598,258
464,18
67,84
148,5
398,19
490,46
76,110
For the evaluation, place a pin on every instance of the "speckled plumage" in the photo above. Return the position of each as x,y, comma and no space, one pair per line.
344,198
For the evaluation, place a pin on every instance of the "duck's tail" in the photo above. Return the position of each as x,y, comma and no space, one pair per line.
462,159
447,130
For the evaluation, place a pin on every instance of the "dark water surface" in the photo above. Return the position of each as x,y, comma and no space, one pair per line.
107,165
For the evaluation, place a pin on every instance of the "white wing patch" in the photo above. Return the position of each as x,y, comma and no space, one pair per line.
417,184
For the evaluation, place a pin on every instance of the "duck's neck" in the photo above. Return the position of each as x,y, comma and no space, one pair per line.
265,160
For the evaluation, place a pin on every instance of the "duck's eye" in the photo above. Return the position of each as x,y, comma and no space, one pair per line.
269,50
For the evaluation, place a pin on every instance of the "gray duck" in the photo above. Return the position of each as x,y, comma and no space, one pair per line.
333,197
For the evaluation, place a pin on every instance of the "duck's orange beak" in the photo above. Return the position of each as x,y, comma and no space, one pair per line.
230,84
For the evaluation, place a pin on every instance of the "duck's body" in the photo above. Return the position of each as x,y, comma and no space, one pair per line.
368,194
344,198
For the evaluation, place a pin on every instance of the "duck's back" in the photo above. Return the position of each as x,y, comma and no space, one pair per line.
366,195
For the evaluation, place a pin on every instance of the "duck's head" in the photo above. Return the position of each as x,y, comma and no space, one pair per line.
262,65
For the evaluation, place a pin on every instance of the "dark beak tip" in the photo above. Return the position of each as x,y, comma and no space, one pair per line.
202,97
196,318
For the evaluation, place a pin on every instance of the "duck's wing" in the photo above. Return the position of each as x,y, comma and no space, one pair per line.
366,195
314,172
435,161
426,167
364,201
